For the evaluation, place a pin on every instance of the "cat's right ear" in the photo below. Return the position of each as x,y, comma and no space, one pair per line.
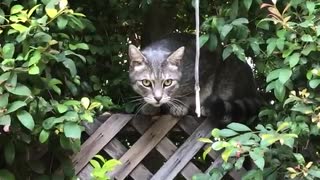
135,56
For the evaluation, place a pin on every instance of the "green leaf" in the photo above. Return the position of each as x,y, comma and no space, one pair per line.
110,165
238,127
16,9
299,158
95,164
305,109
8,50
203,39
279,91
9,152
227,52
218,145
5,120
15,106
226,154
205,153
44,135
6,175
306,38
2,17
72,130
314,172
240,21
62,108
213,42
26,119
272,43
239,163
4,77
35,58
20,90
62,22
79,46
225,31
19,27
51,121
310,6
34,69
280,44
227,133
205,140
257,156
68,63
50,10
283,125
247,4
294,59
314,83
284,75
32,10
4,99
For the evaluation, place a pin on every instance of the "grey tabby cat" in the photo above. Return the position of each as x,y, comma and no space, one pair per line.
163,74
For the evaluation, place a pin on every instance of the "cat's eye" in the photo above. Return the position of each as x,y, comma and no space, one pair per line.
146,83
167,82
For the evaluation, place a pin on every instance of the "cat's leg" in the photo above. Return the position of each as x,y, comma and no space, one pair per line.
149,110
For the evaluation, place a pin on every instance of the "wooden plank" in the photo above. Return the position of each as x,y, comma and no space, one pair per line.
184,154
115,149
144,145
99,139
165,147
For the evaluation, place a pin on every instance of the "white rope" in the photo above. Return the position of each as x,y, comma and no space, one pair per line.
196,67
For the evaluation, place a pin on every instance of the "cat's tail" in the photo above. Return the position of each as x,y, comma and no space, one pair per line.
238,110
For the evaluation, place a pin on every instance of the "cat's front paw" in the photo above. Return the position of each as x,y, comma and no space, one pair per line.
150,110
204,111
178,111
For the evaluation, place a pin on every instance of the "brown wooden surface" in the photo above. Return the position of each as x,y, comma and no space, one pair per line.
99,139
184,154
153,133
115,149
144,145
165,147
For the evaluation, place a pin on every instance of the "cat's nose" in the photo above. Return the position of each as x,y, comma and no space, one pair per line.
158,98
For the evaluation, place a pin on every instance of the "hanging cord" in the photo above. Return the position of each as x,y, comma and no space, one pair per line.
196,67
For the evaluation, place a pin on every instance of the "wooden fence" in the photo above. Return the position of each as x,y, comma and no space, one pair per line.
103,136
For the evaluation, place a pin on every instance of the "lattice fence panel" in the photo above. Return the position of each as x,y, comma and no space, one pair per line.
153,131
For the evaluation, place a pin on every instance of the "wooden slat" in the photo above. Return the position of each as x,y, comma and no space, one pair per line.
99,139
184,154
144,145
165,147
115,149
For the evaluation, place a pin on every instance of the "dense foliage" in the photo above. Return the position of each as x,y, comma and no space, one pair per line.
61,62
283,39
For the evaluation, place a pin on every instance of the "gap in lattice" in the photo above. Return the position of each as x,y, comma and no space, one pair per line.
153,161
202,164
128,136
178,136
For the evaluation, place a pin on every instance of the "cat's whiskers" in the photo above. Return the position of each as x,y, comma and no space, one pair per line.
178,102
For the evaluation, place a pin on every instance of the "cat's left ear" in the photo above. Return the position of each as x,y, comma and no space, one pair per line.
176,57
136,57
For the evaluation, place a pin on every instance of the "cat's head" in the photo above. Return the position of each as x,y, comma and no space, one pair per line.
155,73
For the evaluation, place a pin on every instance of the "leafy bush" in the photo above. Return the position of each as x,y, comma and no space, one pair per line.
40,108
282,37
